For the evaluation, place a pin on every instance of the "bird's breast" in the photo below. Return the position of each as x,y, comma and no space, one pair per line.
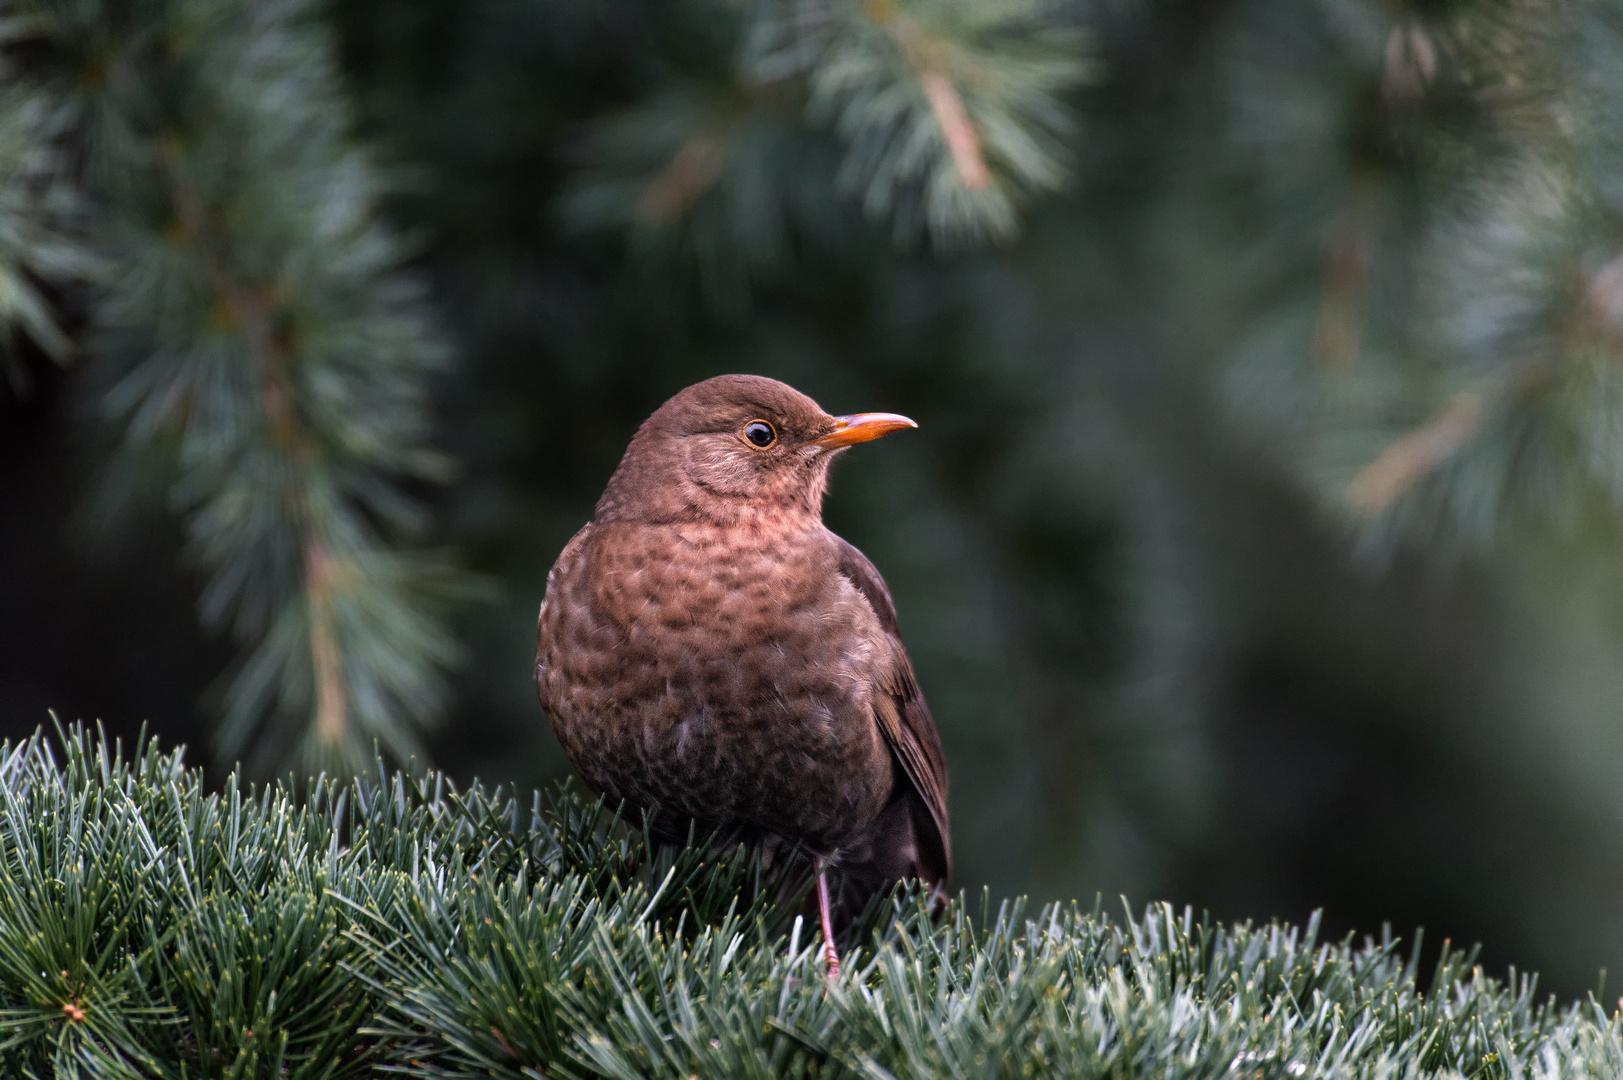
719,672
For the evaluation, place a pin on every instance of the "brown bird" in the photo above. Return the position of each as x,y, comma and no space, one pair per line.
707,647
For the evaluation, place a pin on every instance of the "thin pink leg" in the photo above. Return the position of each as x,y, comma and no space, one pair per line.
831,956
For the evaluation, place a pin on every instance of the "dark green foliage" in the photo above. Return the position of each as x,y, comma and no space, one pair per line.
1119,539
149,928
1452,174
1266,274
935,119
256,344
41,212
1427,258
264,356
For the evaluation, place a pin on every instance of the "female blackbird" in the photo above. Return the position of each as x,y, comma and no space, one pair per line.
708,647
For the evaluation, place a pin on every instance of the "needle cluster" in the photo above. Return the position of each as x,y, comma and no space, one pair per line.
396,925
255,342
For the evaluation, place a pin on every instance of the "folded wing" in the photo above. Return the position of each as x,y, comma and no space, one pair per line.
908,727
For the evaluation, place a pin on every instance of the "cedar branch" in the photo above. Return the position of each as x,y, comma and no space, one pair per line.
692,170
1412,456
1338,331
963,141
250,309
928,57
1409,458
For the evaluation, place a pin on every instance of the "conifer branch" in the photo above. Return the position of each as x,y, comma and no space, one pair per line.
1477,162
256,327
152,928
42,216
1408,459
691,171
951,115
929,59
249,308
332,694
1593,319
1410,62
1338,331
950,112
1605,293
962,140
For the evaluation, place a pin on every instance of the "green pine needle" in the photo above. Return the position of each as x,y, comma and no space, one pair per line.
392,926
256,330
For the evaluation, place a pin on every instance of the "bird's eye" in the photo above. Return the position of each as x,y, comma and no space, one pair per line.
760,433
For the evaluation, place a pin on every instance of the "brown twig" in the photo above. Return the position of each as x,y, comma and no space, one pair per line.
1411,63
692,170
326,661
1605,291
1412,456
930,58
963,141
1338,332
505,1044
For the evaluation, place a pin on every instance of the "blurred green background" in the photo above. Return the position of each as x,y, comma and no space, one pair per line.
1259,545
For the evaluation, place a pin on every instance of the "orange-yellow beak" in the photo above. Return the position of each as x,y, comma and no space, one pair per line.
863,427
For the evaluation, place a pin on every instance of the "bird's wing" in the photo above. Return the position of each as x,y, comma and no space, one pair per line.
905,719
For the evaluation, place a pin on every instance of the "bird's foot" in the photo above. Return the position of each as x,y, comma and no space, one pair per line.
831,955
831,960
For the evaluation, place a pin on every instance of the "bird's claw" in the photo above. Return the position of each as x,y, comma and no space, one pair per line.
831,960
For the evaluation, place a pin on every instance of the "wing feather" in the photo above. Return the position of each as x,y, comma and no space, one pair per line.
905,719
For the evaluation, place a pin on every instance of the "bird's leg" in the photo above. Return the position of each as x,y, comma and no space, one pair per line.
831,955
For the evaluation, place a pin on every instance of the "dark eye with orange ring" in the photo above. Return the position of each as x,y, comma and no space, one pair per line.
759,433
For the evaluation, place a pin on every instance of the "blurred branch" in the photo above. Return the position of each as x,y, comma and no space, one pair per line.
929,57
1337,333
250,309
1411,457
962,139
332,695
41,214
1605,292
689,174
257,331
950,114
1407,460
1455,179
1411,62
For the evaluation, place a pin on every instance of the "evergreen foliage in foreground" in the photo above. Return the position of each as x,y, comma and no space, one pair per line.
149,928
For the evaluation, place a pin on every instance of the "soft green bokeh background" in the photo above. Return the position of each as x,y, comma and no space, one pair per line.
1161,667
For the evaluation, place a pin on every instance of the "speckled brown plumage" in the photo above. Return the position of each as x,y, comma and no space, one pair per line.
709,648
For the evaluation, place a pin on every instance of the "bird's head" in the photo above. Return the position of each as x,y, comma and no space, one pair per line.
735,448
